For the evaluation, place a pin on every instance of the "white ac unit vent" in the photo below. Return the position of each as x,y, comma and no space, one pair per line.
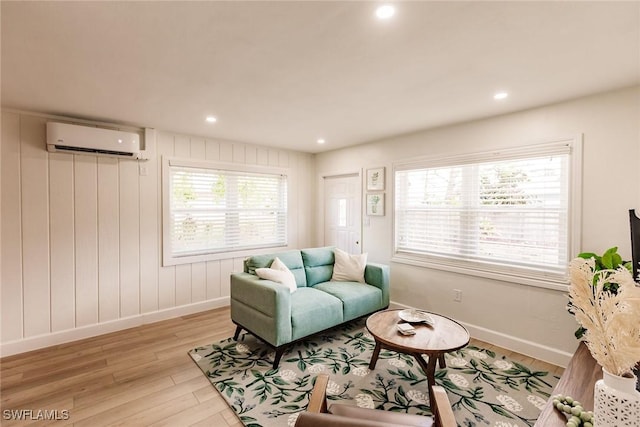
77,139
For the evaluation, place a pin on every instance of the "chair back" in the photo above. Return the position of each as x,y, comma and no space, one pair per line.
319,414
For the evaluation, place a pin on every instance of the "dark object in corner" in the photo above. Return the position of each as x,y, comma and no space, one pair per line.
634,223
635,242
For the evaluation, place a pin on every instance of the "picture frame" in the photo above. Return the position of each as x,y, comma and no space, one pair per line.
375,179
375,204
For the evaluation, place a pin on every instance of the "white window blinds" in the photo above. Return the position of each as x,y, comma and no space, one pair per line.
509,213
216,210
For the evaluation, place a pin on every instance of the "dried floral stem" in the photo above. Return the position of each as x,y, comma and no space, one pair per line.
611,319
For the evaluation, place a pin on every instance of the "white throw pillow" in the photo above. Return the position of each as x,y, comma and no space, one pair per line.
349,268
278,273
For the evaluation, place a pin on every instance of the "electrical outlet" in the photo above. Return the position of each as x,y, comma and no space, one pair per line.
144,171
457,295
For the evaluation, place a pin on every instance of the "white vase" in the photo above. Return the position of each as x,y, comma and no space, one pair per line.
616,401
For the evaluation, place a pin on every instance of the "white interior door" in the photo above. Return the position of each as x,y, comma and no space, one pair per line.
342,212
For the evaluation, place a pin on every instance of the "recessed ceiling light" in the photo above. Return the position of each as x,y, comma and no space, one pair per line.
500,95
321,141
385,11
211,119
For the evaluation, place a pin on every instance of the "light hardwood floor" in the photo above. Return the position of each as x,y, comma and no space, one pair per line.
137,377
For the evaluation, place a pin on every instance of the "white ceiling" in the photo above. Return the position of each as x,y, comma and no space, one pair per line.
287,73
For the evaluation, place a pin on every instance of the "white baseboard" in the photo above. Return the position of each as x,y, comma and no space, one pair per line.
529,348
509,342
46,340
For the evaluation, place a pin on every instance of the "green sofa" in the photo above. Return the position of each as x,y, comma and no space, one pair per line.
279,317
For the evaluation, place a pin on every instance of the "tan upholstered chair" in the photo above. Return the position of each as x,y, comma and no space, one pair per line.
337,415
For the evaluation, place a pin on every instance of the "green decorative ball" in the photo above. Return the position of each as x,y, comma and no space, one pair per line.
578,417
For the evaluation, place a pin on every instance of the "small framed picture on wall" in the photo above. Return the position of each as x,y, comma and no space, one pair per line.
375,179
375,204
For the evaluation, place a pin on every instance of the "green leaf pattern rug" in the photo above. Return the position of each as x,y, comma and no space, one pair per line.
485,389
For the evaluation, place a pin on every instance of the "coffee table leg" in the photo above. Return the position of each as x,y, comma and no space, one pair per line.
374,357
429,369
441,361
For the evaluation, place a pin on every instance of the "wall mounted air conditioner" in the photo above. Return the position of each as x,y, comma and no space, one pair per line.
77,139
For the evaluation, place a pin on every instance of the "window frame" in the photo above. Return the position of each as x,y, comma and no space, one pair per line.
502,272
167,162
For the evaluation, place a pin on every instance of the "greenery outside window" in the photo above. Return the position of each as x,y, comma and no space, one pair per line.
213,210
505,215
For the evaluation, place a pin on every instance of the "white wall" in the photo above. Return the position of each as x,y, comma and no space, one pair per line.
527,319
80,247
81,236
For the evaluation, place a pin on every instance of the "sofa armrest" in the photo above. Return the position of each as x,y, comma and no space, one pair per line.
261,306
378,275
263,295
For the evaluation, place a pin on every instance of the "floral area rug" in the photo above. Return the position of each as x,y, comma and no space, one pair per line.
485,389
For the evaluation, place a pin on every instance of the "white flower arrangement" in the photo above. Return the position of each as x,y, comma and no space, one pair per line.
611,318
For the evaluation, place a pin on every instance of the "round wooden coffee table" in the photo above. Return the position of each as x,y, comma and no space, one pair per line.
434,341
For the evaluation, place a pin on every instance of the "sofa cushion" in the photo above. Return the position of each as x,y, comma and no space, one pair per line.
318,264
292,259
313,311
278,273
348,267
358,298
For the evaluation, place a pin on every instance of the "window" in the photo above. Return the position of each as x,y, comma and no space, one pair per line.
493,214
217,209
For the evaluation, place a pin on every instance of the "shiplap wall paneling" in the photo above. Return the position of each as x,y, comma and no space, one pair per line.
292,189
198,282
283,159
226,151
149,235
198,149
305,197
183,284
213,279
81,235
238,265
274,158
238,153
199,269
251,155
35,226
212,150
129,238
86,239
226,268
108,239
166,275
182,148
61,221
11,273
263,156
